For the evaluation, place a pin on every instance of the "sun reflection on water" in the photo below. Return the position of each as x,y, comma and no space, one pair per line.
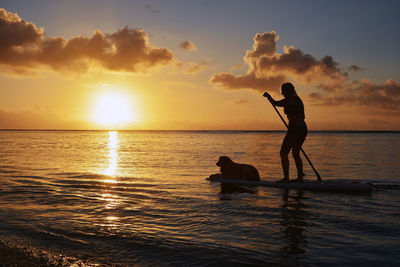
112,155
112,201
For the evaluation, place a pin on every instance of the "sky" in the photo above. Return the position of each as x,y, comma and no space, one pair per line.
197,65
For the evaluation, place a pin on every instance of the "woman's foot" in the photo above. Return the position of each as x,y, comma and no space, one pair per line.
298,180
283,180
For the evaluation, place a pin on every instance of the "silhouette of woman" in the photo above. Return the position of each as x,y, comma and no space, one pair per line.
296,133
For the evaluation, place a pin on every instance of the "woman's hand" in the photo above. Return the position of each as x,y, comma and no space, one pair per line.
267,95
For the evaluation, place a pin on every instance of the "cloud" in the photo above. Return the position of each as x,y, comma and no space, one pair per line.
229,81
188,45
193,67
355,68
24,46
264,45
267,70
364,93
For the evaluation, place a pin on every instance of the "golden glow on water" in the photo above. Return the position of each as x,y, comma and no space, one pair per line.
112,155
112,201
110,181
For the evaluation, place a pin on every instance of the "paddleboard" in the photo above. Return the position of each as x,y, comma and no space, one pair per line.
328,186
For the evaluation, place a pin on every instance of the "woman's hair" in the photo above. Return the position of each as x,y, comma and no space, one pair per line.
288,89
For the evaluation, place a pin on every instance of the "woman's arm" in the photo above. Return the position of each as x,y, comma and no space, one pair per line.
279,103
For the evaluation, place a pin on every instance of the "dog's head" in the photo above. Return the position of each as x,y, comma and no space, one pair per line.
223,161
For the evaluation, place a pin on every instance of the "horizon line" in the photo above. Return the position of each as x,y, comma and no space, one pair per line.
190,130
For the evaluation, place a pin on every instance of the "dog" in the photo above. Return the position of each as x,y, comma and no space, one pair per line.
235,171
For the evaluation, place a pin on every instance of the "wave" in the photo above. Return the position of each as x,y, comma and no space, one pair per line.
7,171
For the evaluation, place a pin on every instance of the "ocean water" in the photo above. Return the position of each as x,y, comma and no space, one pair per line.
141,198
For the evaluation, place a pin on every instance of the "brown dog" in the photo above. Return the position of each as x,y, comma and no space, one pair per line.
236,171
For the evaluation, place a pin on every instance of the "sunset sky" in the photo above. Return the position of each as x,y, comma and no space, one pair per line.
197,64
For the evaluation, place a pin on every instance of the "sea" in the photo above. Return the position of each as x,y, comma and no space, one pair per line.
141,198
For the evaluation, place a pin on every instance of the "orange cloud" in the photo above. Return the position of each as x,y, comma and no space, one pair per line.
267,70
365,93
25,46
229,81
188,45
193,67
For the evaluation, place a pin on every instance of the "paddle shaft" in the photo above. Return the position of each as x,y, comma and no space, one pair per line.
304,153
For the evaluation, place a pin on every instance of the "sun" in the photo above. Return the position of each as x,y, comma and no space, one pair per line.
113,109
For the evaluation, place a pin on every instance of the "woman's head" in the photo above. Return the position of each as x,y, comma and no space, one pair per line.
288,90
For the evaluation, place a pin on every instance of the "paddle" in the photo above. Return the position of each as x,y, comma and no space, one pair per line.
304,153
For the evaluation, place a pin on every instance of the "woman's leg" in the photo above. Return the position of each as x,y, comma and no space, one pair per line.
296,153
285,149
297,159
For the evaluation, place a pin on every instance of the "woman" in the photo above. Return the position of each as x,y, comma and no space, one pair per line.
297,130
